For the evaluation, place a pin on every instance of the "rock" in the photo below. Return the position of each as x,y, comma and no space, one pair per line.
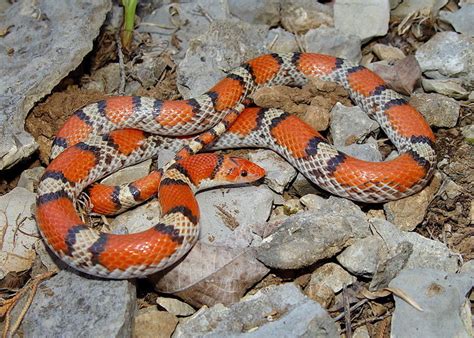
468,133
438,110
37,54
468,267
349,124
137,219
149,70
151,323
175,306
292,206
426,252
30,177
223,47
279,311
386,52
451,88
299,16
303,186
362,257
19,231
226,215
320,293
367,152
259,12
450,189
105,79
410,211
403,76
279,40
461,20
328,40
305,238
70,305
278,172
424,7
316,117
189,19
448,55
443,298
128,174
225,211
361,332
333,276
339,206
375,13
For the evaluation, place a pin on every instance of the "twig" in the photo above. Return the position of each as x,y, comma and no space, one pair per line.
347,312
352,308
121,90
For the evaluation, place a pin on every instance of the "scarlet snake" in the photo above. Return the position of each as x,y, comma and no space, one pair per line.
105,136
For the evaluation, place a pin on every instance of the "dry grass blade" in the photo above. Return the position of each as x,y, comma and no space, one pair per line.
388,291
7,306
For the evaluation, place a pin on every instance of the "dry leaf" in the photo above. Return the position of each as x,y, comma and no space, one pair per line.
212,274
388,291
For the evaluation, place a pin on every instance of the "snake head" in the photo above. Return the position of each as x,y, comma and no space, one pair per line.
236,170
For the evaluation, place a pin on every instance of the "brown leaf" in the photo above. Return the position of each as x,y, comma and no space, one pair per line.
395,291
212,274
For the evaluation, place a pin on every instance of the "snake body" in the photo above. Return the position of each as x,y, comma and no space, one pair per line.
119,131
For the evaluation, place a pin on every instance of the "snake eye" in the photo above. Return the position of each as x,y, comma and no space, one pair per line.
244,173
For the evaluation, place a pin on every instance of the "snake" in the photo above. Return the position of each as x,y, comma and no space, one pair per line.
107,135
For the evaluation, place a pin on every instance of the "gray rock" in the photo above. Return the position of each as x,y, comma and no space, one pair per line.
426,252
450,87
438,110
19,231
308,237
425,7
46,41
279,40
367,152
468,267
275,311
333,276
376,14
461,20
363,257
227,211
303,186
448,55
468,133
443,298
175,306
30,178
70,305
259,12
128,174
299,16
105,79
188,19
224,46
278,172
349,124
328,40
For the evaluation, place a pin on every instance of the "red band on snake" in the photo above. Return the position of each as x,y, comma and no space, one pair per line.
105,136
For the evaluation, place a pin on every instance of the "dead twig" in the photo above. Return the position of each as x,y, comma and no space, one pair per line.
121,90
347,312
